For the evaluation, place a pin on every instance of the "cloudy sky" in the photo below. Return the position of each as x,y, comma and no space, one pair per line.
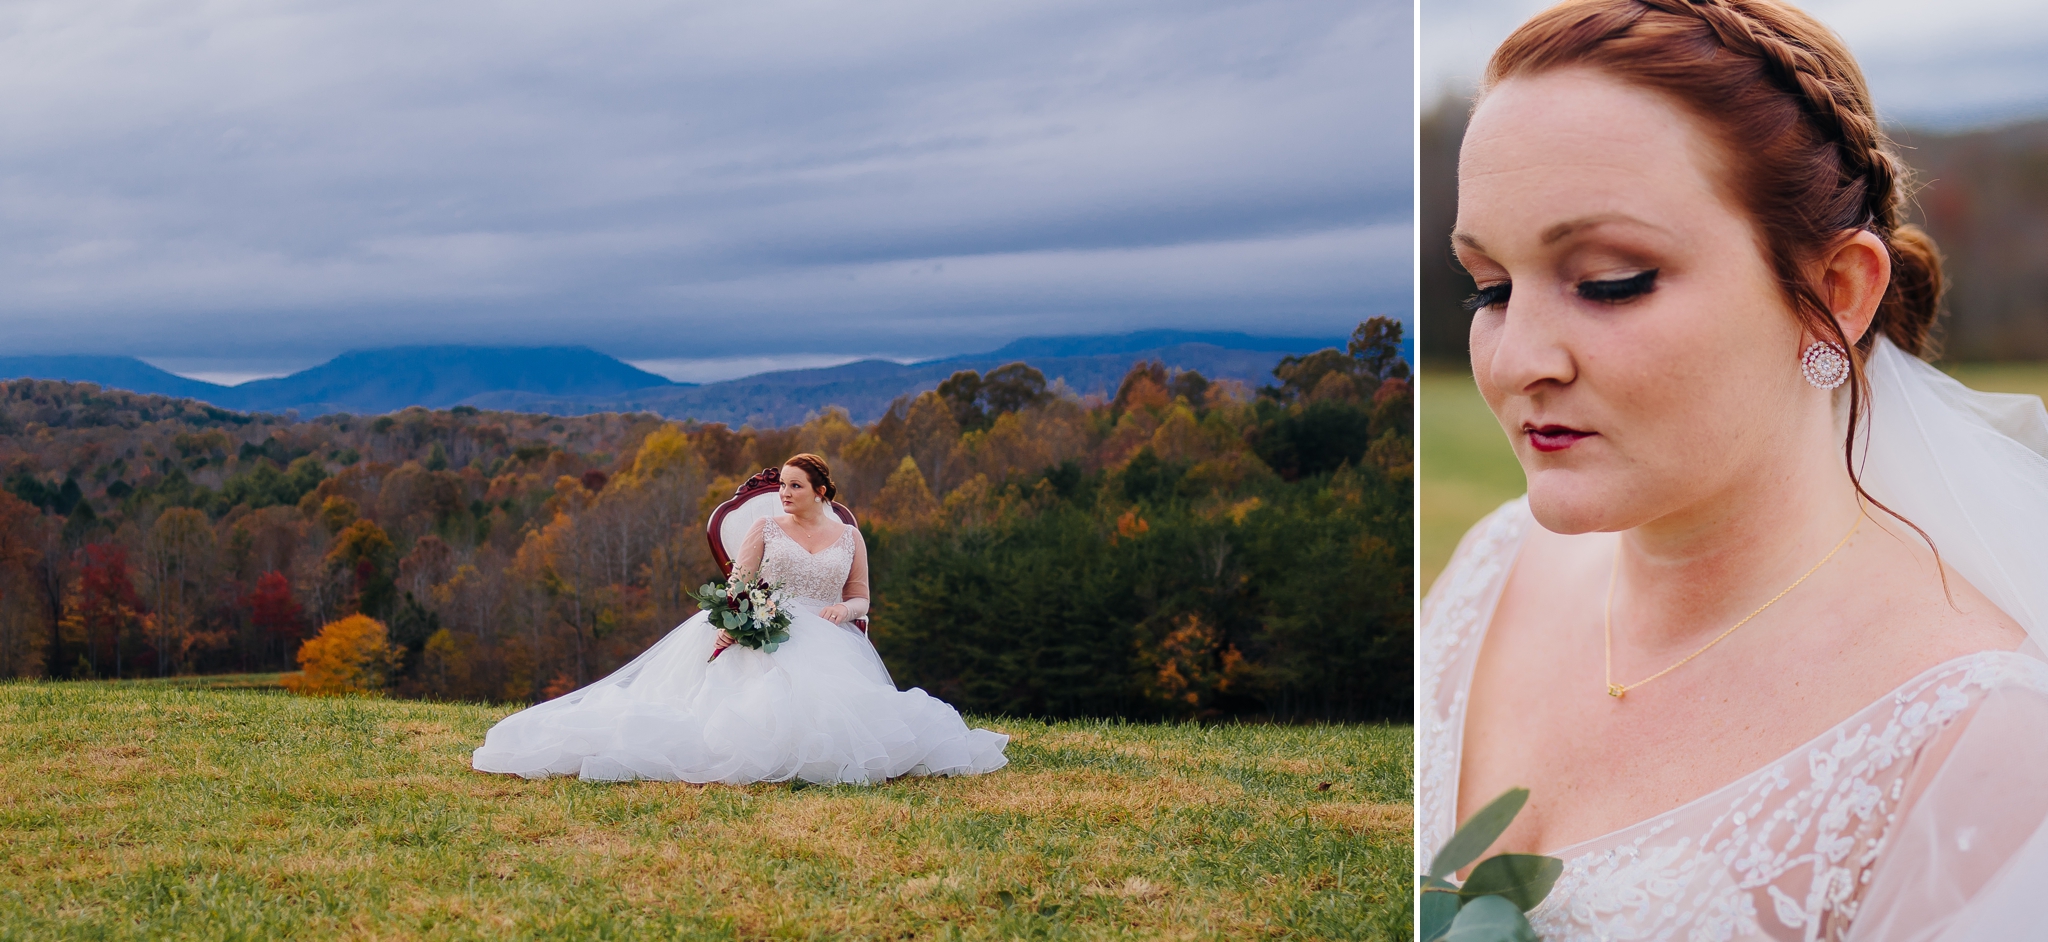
1947,65
238,187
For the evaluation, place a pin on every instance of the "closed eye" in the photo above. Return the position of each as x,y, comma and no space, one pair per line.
1617,290
1487,297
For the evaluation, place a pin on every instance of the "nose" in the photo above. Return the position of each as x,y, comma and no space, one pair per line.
1522,347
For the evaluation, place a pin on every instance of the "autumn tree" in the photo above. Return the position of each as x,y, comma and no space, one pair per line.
976,400
24,635
431,562
448,666
362,554
1144,387
907,499
105,608
274,610
350,656
1372,357
178,559
932,435
1376,345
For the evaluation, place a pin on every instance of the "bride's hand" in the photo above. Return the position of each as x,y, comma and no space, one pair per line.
835,614
724,641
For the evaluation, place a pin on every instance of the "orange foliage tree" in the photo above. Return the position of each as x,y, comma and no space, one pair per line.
350,656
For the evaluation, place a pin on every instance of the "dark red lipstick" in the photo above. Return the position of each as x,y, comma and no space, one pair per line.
1554,437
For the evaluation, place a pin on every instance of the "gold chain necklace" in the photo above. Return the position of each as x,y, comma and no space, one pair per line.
1617,691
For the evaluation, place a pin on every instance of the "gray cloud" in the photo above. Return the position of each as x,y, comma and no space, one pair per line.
239,183
1944,65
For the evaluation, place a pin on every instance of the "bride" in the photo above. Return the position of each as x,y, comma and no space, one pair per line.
821,707
1758,637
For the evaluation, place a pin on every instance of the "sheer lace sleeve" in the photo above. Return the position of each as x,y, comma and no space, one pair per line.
856,593
1969,860
748,560
1454,617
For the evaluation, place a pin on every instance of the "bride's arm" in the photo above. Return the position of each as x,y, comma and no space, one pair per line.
856,594
1969,856
748,560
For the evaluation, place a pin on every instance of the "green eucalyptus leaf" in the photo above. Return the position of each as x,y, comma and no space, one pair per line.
1438,908
1490,919
770,647
1478,833
1521,879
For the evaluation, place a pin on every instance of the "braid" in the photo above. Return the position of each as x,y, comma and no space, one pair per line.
1835,102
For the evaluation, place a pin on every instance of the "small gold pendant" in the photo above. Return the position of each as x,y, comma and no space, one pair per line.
1616,691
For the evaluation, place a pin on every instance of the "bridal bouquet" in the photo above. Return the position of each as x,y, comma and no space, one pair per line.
753,612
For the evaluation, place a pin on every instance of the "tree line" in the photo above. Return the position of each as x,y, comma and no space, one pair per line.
1182,548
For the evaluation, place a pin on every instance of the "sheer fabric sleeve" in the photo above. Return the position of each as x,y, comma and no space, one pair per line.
856,593
1969,860
748,559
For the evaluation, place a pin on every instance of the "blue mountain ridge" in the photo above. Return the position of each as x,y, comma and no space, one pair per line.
865,388
579,380
110,371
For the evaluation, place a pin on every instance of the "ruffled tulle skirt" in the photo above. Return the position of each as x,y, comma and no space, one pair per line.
821,708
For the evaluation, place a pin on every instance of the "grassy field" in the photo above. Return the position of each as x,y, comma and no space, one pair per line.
185,811
1468,468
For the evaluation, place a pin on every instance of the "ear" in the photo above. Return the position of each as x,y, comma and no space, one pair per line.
1854,276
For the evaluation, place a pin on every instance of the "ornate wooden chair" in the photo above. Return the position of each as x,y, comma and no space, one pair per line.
755,498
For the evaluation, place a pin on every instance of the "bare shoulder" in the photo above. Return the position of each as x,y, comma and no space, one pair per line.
1962,620
1923,610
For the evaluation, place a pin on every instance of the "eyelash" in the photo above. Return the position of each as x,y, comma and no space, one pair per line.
1612,291
1487,297
1617,290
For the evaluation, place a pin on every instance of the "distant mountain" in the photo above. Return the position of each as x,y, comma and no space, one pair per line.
579,381
865,388
389,379
1148,340
115,372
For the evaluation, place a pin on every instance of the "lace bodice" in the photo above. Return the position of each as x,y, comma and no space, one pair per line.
819,577
1883,827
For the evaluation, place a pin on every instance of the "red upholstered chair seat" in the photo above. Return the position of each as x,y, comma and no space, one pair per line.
755,498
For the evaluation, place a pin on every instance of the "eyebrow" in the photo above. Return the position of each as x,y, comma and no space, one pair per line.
1566,229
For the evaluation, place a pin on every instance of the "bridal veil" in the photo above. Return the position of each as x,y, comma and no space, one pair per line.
1970,858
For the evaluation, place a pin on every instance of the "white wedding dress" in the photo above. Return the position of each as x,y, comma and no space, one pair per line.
1919,817
821,707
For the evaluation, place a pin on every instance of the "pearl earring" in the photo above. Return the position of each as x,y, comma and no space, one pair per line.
1825,365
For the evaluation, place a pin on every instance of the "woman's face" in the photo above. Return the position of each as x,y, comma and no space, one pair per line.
1634,343
796,489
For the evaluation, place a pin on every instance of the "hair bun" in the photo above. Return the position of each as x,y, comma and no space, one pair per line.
1911,304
